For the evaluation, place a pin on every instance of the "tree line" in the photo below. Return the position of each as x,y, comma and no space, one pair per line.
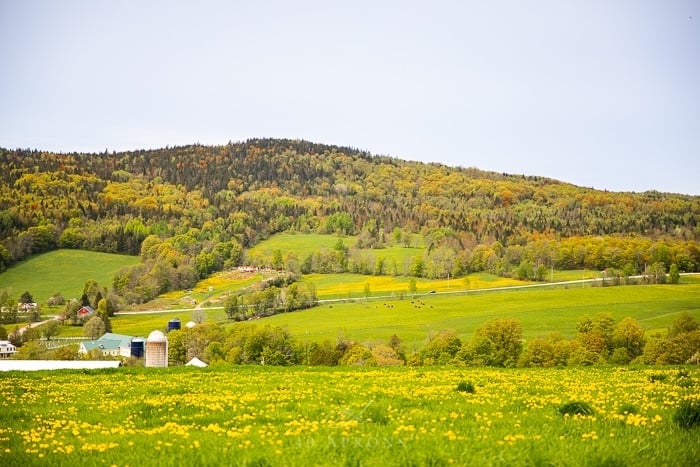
498,343
249,190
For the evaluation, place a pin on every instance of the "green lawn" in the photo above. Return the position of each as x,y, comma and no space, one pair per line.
64,271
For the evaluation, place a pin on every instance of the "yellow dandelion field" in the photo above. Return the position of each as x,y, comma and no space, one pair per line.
336,416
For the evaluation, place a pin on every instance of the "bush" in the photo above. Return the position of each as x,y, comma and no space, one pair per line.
657,377
466,386
576,408
620,356
688,414
685,383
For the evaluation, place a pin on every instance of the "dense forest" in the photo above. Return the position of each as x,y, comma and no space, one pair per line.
189,211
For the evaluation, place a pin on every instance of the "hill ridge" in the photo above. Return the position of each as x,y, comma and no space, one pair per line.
209,203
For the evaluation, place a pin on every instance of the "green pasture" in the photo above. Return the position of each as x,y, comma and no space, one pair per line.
64,271
300,244
573,275
541,311
353,286
262,415
142,323
397,259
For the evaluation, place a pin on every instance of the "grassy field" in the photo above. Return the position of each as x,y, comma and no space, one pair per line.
64,271
142,323
540,310
343,416
343,286
301,244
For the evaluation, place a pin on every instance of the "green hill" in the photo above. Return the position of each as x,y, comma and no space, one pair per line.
64,271
198,209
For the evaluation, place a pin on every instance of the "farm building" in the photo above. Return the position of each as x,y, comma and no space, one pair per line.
7,349
26,307
196,362
85,312
40,365
115,345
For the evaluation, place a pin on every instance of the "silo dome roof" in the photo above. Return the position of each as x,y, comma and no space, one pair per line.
156,336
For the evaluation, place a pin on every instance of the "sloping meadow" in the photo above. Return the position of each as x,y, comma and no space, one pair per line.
340,416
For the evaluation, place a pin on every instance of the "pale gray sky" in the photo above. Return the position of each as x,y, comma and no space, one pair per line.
600,93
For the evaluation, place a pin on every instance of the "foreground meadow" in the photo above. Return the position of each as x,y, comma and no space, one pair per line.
344,416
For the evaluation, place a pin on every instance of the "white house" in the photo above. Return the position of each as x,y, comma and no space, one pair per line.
7,350
26,307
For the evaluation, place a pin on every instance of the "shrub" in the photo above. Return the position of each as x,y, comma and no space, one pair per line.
657,377
620,356
466,386
688,414
576,408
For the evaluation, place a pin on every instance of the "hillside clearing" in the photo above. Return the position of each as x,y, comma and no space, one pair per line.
64,271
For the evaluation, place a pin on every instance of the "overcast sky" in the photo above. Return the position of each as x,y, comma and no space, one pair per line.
599,93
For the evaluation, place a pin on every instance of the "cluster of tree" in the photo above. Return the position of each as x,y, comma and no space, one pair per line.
278,295
174,263
599,340
498,342
243,192
12,310
621,258
33,349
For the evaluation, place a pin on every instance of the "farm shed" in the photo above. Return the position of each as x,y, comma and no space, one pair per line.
196,362
37,365
110,344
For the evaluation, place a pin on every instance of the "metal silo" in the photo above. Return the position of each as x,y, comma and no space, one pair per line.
156,350
174,324
138,347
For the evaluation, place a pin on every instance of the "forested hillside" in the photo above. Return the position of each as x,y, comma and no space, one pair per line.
189,211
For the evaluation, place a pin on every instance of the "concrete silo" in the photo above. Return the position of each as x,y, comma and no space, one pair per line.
156,350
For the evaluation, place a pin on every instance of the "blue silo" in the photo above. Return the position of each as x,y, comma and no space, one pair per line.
174,324
138,346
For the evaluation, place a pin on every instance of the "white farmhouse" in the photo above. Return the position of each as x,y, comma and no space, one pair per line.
7,350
